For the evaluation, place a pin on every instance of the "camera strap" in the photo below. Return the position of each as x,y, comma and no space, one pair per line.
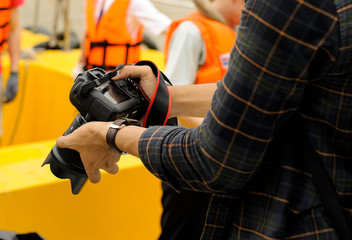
96,83
159,106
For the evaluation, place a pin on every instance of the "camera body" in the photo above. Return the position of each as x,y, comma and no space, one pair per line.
97,98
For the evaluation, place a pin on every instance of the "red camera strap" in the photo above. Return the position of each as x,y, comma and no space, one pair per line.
160,105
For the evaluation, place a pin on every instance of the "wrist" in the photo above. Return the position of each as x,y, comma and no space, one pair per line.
114,128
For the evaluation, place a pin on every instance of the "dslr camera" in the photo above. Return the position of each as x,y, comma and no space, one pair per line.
97,98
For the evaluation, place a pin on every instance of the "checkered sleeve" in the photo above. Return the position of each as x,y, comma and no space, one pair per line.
275,55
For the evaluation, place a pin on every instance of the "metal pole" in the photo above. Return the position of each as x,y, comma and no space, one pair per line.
67,25
53,39
36,16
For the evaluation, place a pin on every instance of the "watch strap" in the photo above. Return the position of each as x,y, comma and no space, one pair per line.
114,128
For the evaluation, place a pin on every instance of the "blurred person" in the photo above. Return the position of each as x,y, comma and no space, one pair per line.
197,49
114,32
289,80
200,44
10,32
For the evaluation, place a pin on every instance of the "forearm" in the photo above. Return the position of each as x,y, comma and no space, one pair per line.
186,101
14,40
191,100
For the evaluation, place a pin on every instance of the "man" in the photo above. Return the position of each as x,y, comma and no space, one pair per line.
197,50
10,31
114,32
291,61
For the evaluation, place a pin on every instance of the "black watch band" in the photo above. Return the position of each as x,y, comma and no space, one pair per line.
114,128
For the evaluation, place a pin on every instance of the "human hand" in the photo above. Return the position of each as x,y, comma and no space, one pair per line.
90,141
144,73
11,87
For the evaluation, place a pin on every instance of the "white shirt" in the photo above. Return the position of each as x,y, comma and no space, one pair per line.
185,55
139,12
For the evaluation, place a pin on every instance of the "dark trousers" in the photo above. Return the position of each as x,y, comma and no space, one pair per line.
183,214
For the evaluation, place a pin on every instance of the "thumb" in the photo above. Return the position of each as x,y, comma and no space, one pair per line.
63,142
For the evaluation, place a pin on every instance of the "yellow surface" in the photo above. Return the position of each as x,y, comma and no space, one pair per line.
123,206
29,39
42,109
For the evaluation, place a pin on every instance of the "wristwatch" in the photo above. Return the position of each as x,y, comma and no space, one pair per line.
114,128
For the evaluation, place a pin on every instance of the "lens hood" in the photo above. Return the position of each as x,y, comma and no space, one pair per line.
63,169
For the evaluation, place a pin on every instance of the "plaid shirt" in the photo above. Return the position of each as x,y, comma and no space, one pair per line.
290,57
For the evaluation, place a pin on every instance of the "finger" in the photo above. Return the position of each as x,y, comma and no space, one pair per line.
112,169
93,175
91,168
133,72
114,158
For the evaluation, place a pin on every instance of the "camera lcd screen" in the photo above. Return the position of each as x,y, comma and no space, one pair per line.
114,94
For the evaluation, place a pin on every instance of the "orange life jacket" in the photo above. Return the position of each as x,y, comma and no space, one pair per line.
109,43
218,39
5,16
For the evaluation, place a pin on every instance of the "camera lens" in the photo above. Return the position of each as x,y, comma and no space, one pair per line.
67,163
